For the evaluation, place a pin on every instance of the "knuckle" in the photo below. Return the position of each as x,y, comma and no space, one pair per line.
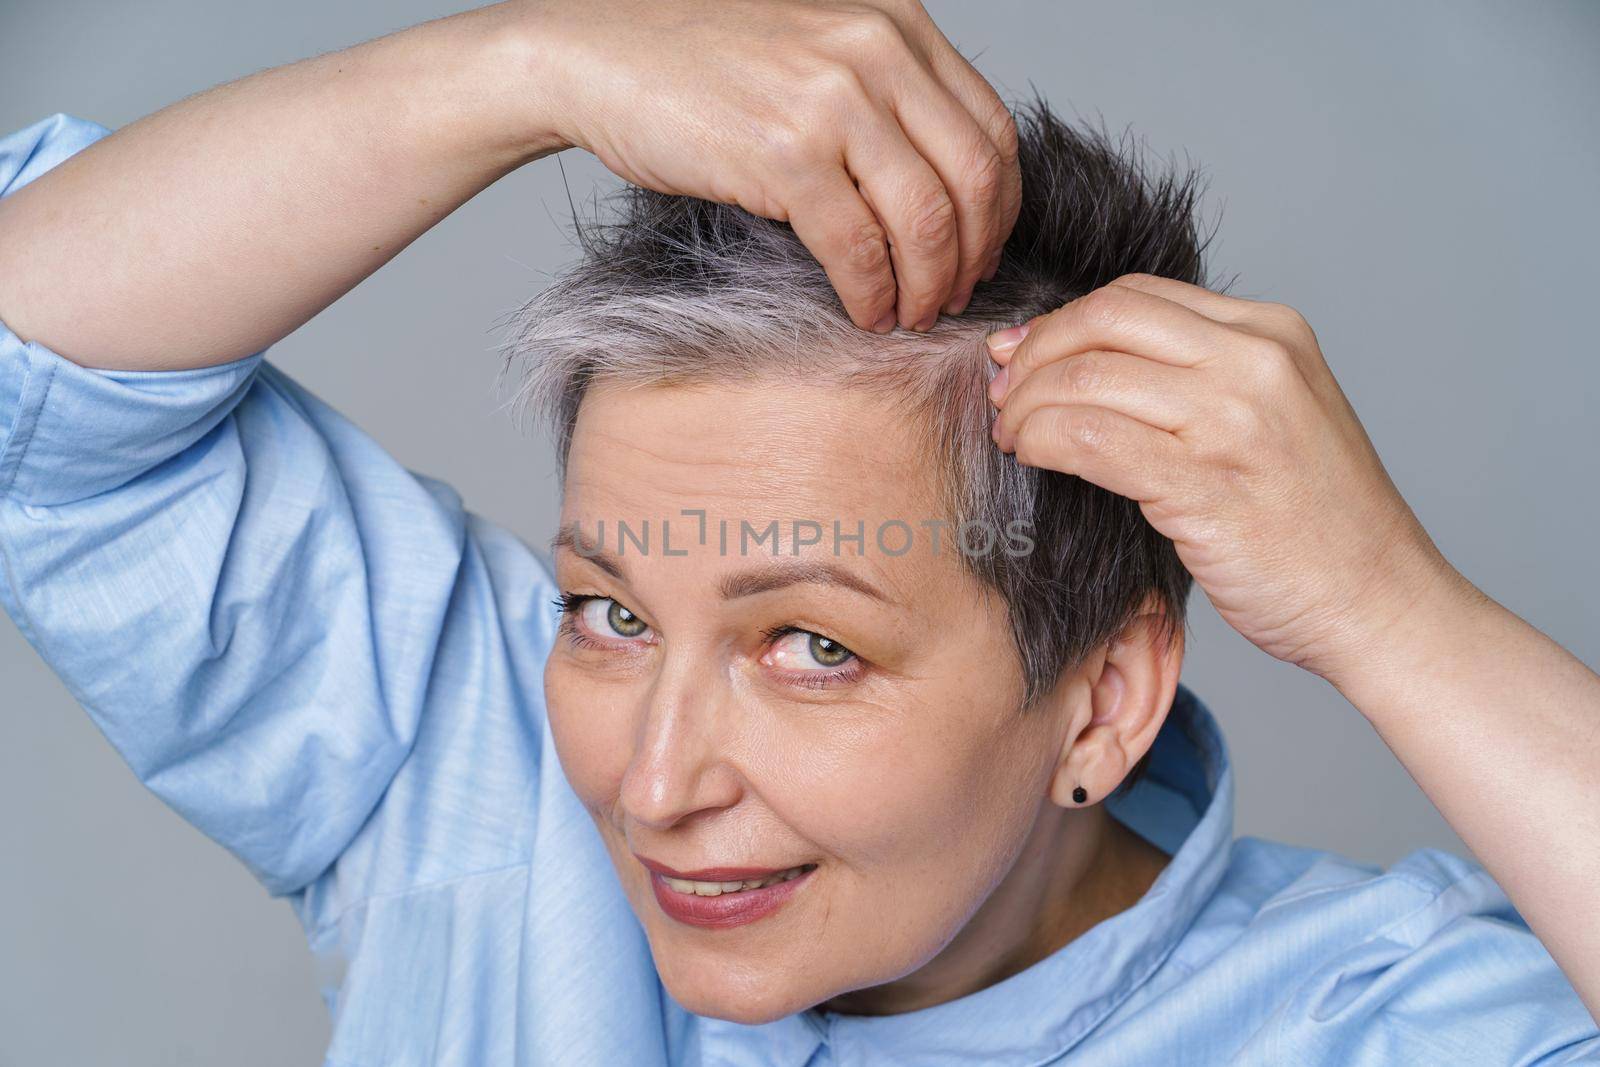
1290,321
1270,356
1061,431
1270,369
1007,141
787,147
833,85
1084,374
933,218
866,247
985,176
1087,431
1277,312
867,31
1237,418
1105,307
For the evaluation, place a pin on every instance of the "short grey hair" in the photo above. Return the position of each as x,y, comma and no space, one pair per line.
674,290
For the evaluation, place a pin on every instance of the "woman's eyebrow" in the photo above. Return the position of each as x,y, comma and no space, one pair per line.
763,578
778,574
565,538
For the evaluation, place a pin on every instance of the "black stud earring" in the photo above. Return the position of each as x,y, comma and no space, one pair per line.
1079,795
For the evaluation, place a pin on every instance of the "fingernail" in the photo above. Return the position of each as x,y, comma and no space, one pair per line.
885,324
927,324
997,386
958,303
1009,338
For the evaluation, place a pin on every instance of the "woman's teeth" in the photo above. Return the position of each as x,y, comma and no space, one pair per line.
713,889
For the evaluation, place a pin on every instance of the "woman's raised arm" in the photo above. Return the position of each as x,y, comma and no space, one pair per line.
210,229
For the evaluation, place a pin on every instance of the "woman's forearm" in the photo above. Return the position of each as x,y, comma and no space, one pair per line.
1500,726
216,226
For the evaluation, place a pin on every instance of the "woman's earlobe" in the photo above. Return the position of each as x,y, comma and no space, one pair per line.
1066,787
1129,692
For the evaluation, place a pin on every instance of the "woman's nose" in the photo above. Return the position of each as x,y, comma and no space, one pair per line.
679,764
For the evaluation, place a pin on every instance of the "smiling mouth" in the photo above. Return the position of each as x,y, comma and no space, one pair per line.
690,887
729,901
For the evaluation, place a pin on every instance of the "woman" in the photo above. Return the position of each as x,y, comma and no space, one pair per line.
791,780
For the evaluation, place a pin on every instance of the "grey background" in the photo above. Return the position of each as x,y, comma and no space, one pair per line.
1418,179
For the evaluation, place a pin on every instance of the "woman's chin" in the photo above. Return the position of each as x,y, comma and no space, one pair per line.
751,997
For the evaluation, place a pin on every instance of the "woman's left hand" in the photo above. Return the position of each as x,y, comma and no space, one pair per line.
1221,418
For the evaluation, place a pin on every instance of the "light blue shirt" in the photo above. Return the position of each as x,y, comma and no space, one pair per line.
326,664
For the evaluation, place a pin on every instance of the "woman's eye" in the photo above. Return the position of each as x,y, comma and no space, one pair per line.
802,650
607,618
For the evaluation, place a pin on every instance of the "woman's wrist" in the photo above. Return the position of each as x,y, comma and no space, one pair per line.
511,75
1415,630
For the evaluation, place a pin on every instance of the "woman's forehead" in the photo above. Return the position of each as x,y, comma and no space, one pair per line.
754,451
725,479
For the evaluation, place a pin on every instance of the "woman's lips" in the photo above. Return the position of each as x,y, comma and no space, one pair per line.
709,874
700,904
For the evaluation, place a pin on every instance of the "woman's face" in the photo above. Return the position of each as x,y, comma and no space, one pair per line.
849,711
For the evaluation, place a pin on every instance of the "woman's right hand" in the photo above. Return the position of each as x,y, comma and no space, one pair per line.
856,122
216,226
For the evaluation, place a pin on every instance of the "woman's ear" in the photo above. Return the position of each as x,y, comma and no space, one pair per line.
1129,697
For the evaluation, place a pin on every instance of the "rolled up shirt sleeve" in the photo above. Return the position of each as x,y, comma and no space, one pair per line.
243,589
67,433
74,433
32,150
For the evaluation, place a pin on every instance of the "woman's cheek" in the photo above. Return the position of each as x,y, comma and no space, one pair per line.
590,726
911,834
882,793
941,804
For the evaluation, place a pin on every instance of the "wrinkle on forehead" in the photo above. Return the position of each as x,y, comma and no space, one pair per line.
841,454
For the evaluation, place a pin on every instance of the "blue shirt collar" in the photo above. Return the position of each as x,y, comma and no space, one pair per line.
1184,805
